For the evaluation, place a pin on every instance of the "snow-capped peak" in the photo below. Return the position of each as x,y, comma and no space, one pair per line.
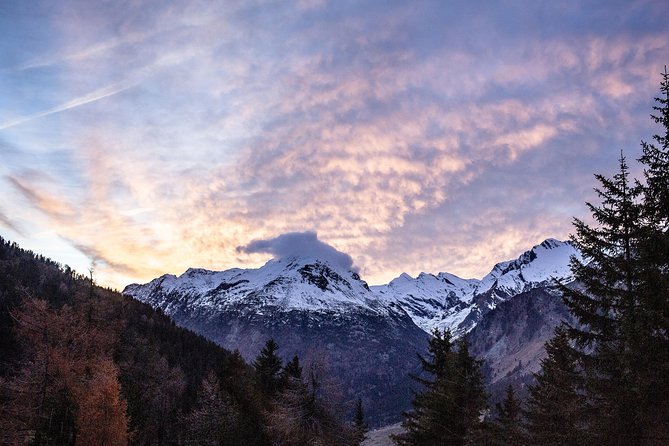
284,284
309,283
445,300
543,263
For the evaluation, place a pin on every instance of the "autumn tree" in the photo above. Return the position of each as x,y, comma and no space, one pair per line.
303,413
67,386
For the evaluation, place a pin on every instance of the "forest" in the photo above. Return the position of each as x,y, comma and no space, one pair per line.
81,364
84,365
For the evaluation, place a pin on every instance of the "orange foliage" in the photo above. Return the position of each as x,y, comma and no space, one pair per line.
70,361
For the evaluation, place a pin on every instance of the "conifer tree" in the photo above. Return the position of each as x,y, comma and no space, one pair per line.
292,369
471,398
508,429
656,161
453,398
652,352
268,368
556,406
359,421
623,311
606,309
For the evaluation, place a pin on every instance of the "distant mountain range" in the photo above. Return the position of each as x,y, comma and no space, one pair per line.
369,336
447,301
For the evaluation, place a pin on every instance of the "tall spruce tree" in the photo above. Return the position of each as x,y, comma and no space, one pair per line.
268,369
652,358
471,398
607,307
623,312
507,427
556,407
656,162
450,405
359,423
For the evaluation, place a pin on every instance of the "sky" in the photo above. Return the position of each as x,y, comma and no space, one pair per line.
145,137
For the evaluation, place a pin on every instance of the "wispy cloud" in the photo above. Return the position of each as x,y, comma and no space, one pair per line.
81,54
6,222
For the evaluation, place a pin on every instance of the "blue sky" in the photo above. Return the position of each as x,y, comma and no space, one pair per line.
146,137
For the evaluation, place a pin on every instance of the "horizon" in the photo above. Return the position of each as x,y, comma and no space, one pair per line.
304,256
411,137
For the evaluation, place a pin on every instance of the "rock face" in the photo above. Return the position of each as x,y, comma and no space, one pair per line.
369,337
511,337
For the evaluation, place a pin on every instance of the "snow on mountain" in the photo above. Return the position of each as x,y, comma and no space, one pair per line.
544,262
447,301
312,307
431,301
312,299
316,285
283,284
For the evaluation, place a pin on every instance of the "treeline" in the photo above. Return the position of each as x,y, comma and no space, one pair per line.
605,379
84,365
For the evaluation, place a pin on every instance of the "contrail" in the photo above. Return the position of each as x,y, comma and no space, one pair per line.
93,96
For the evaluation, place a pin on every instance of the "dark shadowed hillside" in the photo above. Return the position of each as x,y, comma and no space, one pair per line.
511,337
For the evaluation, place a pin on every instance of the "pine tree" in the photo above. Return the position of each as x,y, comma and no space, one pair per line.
292,369
652,353
607,307
623,312
453,398
359,421
268,369
656,161
556,407
508,429
471,398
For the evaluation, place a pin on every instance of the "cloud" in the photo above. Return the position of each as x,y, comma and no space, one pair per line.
300,245
440,140
45,201
6,222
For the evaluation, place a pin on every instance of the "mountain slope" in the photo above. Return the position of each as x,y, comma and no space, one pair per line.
511,337
312,308
109,359
369,337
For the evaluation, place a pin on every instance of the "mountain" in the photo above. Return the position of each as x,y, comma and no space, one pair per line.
447,301
313,308
369,336
510,338
283,284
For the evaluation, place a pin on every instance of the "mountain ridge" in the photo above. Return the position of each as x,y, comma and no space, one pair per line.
442,300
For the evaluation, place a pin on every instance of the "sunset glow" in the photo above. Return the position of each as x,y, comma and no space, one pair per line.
146,137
